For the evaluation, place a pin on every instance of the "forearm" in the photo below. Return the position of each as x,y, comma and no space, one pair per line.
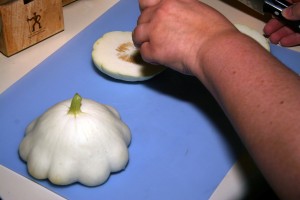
261,98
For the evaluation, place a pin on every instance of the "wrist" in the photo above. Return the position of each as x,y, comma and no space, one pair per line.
233,51
214,50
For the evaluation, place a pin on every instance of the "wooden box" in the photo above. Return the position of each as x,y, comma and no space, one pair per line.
26,22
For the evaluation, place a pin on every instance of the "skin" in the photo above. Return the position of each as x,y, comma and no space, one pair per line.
259,94
278,33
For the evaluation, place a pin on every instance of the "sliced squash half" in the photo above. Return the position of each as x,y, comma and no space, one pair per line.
254,34
115,55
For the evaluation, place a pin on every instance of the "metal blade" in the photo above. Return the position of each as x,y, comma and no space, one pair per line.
256,5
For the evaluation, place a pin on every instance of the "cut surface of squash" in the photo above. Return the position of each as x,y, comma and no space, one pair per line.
115,55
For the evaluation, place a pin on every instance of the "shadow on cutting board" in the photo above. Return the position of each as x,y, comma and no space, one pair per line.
189,89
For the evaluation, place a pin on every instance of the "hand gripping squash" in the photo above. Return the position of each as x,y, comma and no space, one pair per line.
115,55
83,143
254,34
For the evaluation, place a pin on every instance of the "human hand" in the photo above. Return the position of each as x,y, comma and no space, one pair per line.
177,33
278,32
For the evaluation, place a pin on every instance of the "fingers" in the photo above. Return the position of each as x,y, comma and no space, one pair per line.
146,53
292,12
272,26
277,37
141,31
145,16
140,35
147,3
290,40
280,34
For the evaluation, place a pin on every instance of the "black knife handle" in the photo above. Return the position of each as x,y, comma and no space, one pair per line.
275,7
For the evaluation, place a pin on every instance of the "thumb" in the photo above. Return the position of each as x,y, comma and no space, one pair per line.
292,12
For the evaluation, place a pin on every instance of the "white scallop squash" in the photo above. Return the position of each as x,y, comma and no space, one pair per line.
254,34
115,55
76,140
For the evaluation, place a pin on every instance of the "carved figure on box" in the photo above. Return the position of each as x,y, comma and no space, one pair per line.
36,21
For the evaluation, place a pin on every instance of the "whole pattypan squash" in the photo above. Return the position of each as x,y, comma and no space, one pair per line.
83,142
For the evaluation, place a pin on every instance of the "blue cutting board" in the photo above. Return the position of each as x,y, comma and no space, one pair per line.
182,143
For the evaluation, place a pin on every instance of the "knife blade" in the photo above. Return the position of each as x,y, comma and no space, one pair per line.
273,7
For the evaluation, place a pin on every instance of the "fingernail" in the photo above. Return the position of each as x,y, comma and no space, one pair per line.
284,12
287,12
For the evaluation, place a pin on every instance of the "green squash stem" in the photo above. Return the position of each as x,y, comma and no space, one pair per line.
75,105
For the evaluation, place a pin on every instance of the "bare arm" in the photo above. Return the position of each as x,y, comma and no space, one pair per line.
259,95
261,98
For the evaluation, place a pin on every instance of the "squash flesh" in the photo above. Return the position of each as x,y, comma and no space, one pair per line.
115,55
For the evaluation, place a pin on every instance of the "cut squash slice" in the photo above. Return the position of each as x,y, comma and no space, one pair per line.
115,55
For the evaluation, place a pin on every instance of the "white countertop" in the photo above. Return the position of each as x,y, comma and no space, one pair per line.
15,67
